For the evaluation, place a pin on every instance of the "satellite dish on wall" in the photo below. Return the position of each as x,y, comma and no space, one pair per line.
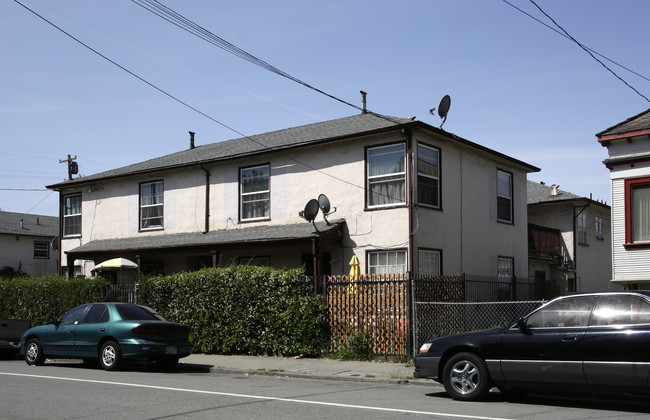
324,204
311,210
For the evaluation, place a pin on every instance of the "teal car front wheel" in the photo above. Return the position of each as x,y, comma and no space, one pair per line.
34,352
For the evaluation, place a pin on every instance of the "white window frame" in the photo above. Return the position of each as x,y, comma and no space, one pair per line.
41,250
426,176
71,216
393,261
377,178
504,195
157,190
505,269
256,198
429,262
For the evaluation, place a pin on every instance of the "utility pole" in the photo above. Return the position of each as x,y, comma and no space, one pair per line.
73,168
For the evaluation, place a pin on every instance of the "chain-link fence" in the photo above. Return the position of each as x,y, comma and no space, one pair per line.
439,319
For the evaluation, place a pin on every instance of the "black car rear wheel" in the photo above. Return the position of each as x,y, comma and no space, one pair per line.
34,352
465,377
110,356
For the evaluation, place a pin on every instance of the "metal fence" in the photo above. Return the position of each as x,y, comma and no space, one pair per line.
122,292
400,312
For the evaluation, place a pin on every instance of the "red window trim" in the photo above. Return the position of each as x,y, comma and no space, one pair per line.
629,183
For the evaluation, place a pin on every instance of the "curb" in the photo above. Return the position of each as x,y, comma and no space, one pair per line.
247,372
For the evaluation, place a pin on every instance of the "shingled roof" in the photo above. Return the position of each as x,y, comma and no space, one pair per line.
272,233
32,224
638,122
326,131
542,193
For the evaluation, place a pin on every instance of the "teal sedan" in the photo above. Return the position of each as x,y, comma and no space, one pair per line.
108,333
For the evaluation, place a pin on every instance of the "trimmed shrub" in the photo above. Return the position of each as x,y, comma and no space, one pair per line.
40,299
241,309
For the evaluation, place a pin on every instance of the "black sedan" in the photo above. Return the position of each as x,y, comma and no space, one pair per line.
596,342
107,334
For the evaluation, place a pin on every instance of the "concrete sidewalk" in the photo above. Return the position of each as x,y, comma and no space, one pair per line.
385,372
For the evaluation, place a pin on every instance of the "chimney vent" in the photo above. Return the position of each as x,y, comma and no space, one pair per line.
192,139
554,188
363,102
21,224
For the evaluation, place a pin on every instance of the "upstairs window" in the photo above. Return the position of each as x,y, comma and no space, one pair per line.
72,215
582,228
151,205
598,222
504,196
637,210
255,193
428,176
386,175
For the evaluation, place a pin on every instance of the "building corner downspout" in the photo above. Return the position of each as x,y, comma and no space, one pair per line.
207,198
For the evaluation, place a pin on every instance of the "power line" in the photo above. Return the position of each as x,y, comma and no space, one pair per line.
569,38
197,110
589,52
193,28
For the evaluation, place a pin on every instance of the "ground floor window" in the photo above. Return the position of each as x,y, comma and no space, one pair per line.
505,268
429,262
387,262
41,250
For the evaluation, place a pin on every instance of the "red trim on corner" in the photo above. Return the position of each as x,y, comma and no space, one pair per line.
624,135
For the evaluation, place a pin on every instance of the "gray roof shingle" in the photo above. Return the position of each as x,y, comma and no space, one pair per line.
216,237
636,123
33,224
541,193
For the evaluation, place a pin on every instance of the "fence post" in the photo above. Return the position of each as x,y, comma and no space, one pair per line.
409,312
514,288
413,318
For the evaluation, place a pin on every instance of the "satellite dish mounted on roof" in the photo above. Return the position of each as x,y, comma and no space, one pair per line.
443,108
310,212
324,204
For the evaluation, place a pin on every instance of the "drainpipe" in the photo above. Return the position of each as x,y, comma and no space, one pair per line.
410,169
207,198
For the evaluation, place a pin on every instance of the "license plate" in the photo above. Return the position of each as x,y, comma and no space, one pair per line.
171,350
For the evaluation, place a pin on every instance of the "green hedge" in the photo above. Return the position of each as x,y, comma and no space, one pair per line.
241,309
42,298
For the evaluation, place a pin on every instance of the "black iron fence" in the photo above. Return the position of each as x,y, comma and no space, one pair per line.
122,292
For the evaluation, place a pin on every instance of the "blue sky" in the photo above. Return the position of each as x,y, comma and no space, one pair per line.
516,86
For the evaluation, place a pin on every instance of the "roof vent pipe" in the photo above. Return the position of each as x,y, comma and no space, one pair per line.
22,226
363,102
192,140
554,188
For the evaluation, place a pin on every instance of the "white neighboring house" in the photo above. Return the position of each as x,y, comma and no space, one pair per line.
26,243
408,197
569,241
628,147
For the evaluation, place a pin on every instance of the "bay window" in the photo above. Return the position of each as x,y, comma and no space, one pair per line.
637,211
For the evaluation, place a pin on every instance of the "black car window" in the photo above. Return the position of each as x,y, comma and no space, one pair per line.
137,313
96,314
72,316
568,312
621,310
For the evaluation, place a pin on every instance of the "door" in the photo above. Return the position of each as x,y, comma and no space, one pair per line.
90,331
550,348
60,341
617,350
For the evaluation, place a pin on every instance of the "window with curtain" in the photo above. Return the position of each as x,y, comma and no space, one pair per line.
72,215
151,205
428,176
640,212
504,196
429,262
386,175
255,194
387,262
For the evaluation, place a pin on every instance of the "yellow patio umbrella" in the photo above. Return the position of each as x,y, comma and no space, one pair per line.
116,263
355,272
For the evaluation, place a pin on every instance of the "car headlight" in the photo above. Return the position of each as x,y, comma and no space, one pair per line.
425,347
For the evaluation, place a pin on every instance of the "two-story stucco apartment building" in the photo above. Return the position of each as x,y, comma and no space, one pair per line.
628,147
408,197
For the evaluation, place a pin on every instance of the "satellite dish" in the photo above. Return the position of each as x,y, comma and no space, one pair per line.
443,108
324,204
55,243
311,210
